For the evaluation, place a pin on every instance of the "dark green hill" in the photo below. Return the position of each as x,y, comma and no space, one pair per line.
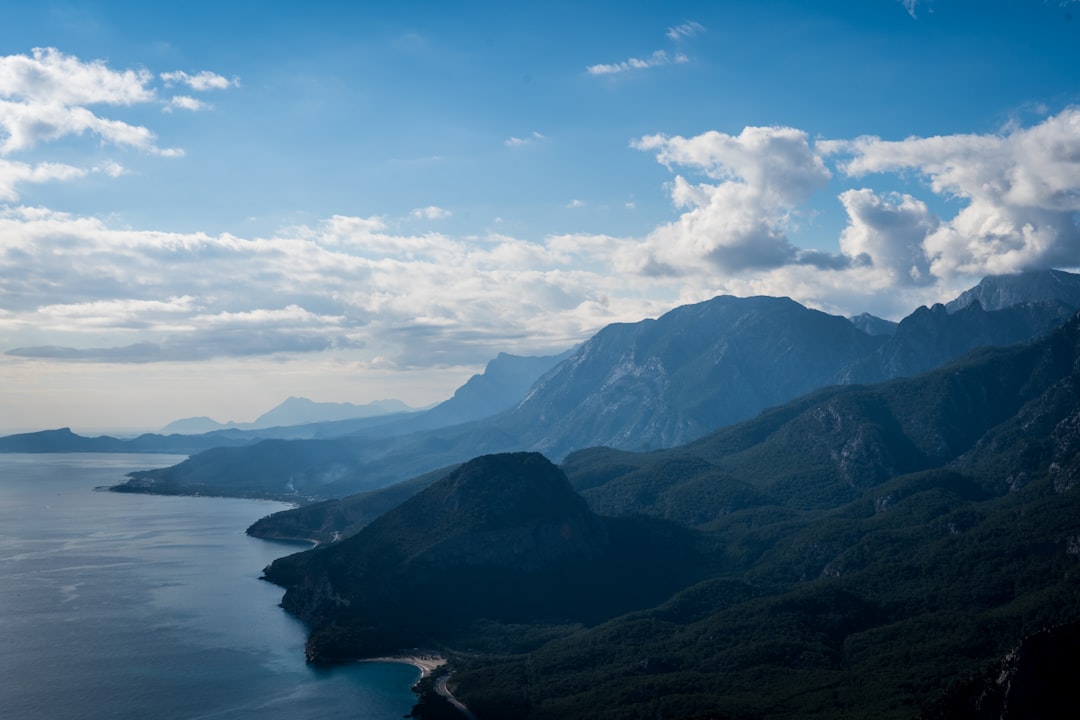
501,541
863,552
883,603
333,520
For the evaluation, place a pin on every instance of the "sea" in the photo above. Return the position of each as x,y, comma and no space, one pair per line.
120,606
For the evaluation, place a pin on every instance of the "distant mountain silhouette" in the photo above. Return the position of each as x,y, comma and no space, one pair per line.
292,411
872,325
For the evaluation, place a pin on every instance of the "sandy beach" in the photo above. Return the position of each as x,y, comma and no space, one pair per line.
427,662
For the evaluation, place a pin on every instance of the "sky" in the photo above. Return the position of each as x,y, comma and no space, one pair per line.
208,207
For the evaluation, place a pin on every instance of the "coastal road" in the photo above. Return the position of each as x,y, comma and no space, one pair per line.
440,687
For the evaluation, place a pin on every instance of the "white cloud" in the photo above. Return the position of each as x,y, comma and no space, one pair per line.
657,59
514,141
47,95
685,30
739,221
1018,194
186,102
888,233
16,173
575,203
200,81
76,289
912,6
1021,188
48,77
431,212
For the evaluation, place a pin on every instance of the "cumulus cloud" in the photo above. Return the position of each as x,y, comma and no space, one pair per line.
739,219
1012,200
887,233
48,95
1021,190
49,77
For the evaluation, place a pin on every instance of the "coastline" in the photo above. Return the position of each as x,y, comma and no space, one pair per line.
426,662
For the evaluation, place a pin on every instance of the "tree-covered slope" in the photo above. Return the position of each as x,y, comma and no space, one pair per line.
860,553
503,539
878,605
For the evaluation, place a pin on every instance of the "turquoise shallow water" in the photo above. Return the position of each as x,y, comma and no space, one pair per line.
136,606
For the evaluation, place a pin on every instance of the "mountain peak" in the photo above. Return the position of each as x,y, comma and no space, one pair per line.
512,509
997,292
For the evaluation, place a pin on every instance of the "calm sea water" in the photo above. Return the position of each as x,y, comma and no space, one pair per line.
136,606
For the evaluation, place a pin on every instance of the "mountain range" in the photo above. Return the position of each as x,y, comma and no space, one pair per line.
647,385
869,551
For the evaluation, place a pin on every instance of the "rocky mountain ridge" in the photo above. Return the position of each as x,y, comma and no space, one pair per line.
653,384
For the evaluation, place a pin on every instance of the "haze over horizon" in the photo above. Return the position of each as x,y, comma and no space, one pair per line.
205,209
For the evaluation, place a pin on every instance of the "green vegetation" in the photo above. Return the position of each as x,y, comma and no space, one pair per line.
333,520
863,552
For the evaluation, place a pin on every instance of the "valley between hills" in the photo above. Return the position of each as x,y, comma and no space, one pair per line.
742,509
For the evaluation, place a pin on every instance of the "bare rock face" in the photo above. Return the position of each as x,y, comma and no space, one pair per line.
997,292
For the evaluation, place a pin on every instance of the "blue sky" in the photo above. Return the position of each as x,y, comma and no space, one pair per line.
207,207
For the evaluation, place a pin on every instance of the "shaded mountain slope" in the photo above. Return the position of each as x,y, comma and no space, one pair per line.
829,447
930,337
663,382
855,613
656,383
872,606
504,539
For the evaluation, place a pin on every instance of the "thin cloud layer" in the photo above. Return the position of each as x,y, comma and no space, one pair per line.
77,289
658,58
